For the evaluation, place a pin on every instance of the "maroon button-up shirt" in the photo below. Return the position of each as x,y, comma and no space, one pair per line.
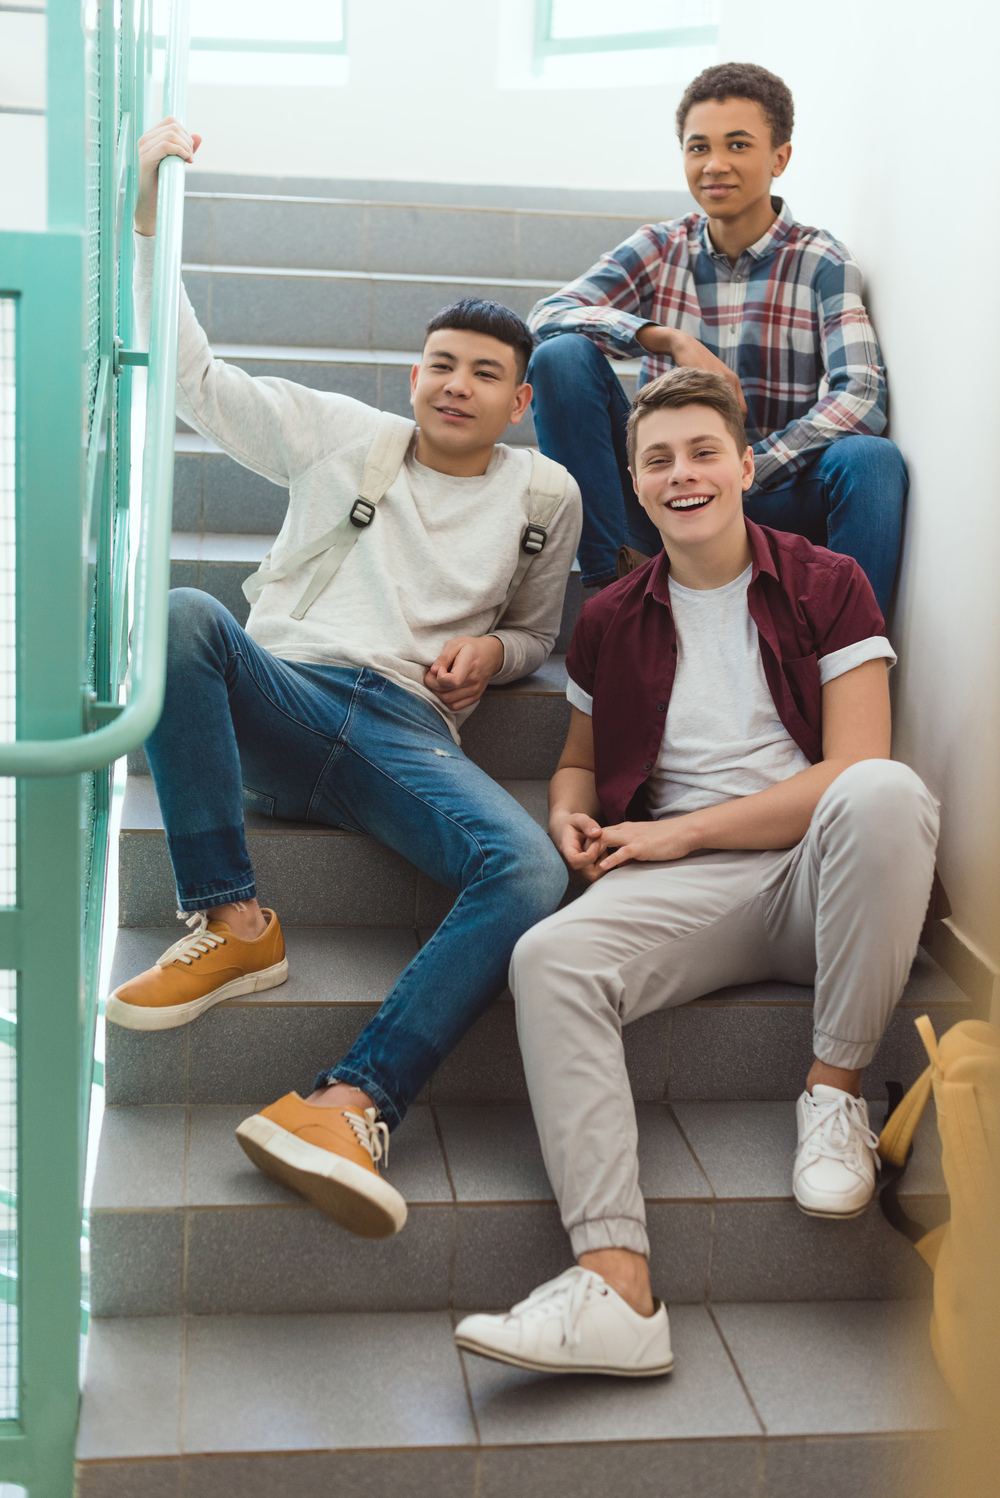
806,603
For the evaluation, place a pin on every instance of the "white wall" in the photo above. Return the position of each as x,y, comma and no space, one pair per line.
895,153
443,91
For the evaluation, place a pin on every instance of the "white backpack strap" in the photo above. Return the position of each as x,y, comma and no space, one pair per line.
384,460
546,492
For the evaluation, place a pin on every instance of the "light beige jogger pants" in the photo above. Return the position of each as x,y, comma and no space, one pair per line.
843,910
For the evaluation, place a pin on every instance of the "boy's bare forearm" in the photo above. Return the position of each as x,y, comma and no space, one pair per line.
776,818
573,789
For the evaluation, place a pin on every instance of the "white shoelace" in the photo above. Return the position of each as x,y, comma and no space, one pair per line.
372,1133
838,1130
565,1296
192,946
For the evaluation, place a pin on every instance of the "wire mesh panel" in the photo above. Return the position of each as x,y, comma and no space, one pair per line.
9,1370
9,1363
8,642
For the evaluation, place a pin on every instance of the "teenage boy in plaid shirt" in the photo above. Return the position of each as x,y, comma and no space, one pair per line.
745,291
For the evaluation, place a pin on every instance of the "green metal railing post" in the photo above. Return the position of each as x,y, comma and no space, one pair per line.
41,937
48,755
70,289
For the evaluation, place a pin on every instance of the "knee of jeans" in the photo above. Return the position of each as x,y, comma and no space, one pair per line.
558,359
192,614
880,459
876,791
540,877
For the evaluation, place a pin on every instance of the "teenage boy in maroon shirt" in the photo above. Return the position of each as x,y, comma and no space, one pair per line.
726,793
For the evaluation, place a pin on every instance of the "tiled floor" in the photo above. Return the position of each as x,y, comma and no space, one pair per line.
244,1386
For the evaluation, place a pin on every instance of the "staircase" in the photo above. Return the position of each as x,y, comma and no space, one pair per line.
241,1344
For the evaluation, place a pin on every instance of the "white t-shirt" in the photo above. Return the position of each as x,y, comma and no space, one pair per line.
723,737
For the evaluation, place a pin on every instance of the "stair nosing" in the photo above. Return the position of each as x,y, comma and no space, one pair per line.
550,213
408,277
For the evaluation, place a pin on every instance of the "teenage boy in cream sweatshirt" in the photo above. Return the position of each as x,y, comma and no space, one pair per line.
341,703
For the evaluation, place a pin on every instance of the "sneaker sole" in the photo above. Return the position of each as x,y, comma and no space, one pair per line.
353,1197
146,1017
834,1216
539,1367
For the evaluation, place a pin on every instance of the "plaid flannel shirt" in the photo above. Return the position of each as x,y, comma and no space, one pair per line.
787,317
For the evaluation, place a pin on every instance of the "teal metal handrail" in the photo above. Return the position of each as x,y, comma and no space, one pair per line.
138,717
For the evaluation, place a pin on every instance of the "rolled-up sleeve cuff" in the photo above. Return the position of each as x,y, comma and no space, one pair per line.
577,697
840,661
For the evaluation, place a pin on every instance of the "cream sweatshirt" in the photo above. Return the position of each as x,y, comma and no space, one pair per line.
437,559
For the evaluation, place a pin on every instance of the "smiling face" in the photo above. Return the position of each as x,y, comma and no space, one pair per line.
465,390
690,478
729,159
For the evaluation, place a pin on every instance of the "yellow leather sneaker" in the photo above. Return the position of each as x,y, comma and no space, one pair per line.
204,967
330,1156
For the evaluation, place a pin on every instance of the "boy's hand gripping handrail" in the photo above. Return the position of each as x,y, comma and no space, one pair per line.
89,751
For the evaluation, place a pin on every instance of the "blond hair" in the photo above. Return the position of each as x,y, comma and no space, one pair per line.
687,387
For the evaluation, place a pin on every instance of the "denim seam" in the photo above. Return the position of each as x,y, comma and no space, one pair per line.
337,749
277,705
221,897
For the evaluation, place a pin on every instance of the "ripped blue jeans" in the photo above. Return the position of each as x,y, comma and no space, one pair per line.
347,748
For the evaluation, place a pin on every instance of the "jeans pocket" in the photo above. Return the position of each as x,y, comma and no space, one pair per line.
258,801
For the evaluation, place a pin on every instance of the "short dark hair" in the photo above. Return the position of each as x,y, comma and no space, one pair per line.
687,387
742,80
473,315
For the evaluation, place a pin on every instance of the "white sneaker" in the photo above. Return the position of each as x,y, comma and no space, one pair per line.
836,1160
574,1324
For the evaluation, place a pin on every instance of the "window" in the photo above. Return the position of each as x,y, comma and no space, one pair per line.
299,42
588,43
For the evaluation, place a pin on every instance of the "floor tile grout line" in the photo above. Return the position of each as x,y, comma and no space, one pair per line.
453,1244
182,1391
681,1131
186,1218
736,1367
453,1316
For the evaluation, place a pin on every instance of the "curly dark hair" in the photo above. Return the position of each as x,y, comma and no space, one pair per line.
742,80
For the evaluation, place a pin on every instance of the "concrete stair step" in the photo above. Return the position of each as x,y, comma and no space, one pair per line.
219,563
752,1043
632,203
516,733
313,872
182,1222
828,1400
351,233
355,309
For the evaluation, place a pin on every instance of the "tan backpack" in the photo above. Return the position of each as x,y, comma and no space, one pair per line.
964,1253
547,489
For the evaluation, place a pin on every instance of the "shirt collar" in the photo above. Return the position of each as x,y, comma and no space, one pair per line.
658,582
768,241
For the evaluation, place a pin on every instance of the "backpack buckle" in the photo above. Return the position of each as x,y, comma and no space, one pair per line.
362,513
534,539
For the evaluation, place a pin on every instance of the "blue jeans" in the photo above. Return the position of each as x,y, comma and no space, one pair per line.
347,748
849,497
